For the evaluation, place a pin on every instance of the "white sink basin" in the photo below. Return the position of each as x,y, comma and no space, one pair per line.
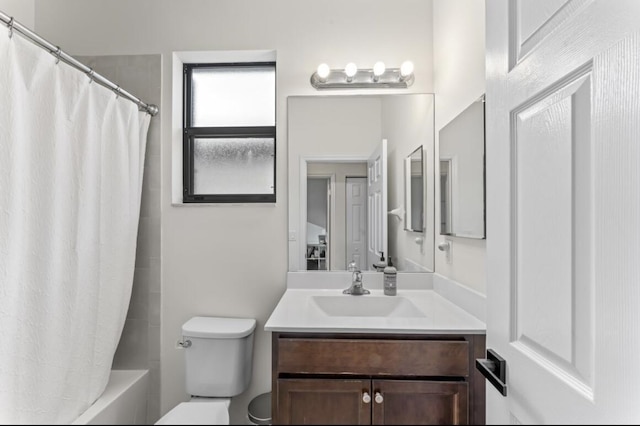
367,306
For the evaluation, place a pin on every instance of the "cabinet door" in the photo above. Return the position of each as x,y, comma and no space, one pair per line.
417,402
326,402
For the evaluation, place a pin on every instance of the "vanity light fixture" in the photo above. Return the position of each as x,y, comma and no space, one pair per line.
353,78
350,70
323,72
406,70
378,70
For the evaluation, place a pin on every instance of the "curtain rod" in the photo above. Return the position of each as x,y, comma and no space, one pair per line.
14,25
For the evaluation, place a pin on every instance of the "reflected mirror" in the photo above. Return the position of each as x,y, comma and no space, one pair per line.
414,191
462,171
338,145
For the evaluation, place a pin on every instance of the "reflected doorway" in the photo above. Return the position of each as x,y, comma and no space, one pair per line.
318,222
326,195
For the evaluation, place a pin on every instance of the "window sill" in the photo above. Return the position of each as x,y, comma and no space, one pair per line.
223,204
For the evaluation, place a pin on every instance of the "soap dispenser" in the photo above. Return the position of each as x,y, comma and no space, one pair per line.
390,275
381,264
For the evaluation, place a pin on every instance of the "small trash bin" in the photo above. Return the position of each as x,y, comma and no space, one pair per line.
259,411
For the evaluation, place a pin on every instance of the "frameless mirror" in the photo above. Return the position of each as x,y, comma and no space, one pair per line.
462,172
414,191
335,149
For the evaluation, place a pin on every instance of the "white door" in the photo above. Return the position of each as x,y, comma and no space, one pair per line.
377,205
563,209
356,219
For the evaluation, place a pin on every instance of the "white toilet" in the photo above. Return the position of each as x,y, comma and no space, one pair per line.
218,364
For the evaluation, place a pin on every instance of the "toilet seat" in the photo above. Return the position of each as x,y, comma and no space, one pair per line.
198,412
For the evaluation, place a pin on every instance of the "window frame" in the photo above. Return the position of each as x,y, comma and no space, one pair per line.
191,133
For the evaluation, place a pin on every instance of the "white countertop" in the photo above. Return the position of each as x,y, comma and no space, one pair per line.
297,312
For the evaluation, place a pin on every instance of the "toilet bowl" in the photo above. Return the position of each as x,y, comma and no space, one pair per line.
218,366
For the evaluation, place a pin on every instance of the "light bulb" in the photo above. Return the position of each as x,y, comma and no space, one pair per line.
406,69
323,71
378,68
350,70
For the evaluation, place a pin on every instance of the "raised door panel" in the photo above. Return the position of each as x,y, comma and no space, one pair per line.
356,218
552,229
325,402
397,402
533,20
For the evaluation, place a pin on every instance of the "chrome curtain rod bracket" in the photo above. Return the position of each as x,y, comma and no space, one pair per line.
57,55
152,109
56,51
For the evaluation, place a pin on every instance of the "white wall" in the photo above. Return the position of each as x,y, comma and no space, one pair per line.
317,202
22,11
407,123
459,79
232,260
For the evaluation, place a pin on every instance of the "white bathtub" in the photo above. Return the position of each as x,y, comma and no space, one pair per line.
123,402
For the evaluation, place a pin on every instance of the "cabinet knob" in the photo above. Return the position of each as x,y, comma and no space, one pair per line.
379,398
366,398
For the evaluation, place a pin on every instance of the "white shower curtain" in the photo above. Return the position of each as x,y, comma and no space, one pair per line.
71,165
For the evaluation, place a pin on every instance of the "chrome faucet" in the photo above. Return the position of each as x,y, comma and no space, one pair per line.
356,288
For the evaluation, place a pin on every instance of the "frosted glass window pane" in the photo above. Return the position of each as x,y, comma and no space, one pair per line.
233,166
233,96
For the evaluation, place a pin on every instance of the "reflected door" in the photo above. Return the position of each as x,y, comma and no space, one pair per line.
377,204
356,221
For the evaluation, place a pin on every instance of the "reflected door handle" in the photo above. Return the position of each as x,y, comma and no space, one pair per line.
494,369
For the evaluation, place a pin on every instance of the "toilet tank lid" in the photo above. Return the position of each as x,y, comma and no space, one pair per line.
217,327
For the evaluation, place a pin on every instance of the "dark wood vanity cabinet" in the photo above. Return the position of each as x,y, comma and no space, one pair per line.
391,402
377,379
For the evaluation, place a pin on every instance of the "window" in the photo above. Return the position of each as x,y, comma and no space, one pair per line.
229,143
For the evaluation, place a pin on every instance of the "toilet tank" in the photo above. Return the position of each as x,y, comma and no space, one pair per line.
218,363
